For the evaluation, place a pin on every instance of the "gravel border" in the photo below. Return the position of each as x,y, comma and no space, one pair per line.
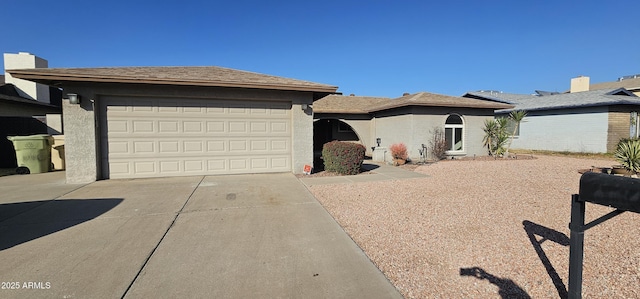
487,229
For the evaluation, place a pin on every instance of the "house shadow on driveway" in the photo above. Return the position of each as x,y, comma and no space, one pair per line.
27,221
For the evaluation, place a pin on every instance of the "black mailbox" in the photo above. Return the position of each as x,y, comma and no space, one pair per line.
619,192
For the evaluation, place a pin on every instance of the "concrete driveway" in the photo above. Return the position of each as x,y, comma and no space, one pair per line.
242,236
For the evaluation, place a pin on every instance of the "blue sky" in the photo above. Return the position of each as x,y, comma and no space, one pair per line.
374,48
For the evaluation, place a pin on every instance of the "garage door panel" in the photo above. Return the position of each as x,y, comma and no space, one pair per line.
160,137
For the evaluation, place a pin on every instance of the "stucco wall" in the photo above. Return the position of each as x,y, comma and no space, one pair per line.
301,131
83,135
361,124
575,130
414,126
80,141
394,127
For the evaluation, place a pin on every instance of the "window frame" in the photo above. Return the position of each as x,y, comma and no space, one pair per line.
453,128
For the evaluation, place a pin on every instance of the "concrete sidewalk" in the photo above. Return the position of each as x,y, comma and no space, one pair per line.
375,172
242,236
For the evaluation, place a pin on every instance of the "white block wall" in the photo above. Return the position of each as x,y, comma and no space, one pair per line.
575,130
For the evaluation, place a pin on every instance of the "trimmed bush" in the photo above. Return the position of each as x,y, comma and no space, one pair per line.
399,151
343,157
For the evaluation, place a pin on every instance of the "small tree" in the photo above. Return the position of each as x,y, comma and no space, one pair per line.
438,143
516,116
496,135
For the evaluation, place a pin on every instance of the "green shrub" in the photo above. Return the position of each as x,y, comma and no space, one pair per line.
343,157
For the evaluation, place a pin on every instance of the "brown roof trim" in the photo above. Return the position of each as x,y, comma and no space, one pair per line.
52,76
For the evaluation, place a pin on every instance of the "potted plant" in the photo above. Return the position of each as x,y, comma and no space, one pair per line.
628,155
399,153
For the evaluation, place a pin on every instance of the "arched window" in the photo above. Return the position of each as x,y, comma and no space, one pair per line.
453,133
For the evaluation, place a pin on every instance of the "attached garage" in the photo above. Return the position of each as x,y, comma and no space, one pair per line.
158,122
149,137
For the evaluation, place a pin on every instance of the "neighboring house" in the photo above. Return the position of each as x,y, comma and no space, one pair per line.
26,108
578,121
630,83
410,119
137,122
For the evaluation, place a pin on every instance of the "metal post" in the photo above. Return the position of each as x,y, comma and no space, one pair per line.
576,247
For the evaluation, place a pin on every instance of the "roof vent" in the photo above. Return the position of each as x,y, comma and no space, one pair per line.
628,77
352,95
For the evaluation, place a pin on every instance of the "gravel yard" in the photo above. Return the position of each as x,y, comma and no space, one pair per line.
487,229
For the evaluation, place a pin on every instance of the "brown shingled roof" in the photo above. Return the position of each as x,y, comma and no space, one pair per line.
346,104
193,76
363,105
438,100
629,84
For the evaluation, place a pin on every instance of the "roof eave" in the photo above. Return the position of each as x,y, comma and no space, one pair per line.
338,112
52,79
27,101
378,109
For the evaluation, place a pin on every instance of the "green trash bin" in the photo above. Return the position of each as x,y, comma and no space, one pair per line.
33,153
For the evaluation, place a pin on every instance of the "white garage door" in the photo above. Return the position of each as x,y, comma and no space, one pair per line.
153,137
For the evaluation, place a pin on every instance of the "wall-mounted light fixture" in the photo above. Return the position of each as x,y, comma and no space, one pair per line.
73,98
378,140
305,106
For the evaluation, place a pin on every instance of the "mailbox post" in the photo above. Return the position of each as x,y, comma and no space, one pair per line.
621,193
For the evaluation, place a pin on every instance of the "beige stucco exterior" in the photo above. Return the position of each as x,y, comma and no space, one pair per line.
413,126
361,124
82,122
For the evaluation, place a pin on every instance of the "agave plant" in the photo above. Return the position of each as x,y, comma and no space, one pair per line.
628,154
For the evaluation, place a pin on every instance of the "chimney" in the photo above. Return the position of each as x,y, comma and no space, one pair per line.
26,89
580,83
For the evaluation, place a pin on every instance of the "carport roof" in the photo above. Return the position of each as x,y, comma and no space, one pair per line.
190,76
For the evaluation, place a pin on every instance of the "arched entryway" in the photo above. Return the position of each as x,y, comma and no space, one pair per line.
327,130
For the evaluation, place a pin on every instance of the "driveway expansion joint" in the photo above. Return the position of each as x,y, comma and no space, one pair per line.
146,261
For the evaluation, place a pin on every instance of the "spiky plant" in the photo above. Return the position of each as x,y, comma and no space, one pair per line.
490,132
516,116
628,154
496,135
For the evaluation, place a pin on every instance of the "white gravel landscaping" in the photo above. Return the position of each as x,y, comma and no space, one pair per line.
487,229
